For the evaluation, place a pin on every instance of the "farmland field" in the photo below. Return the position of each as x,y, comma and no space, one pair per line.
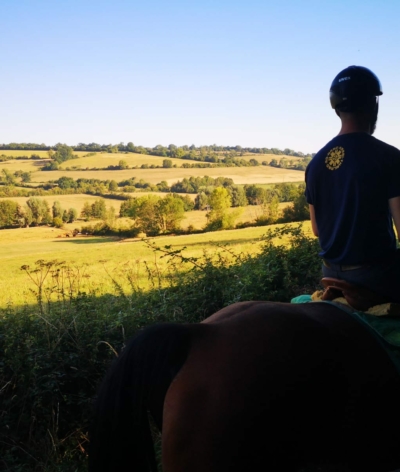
240,175
103,160
28,165
268,157
25,246
42,154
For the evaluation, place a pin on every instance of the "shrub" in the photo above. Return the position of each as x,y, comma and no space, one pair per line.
58,222
53,355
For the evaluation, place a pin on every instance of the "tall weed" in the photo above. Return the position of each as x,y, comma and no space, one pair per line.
53,355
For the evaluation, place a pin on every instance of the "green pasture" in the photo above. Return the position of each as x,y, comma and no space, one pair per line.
102,258
240,175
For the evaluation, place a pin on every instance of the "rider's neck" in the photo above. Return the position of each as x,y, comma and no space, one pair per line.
355,123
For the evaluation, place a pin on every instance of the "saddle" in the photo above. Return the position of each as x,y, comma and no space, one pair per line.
358,297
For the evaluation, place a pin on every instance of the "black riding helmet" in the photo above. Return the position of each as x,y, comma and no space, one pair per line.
355,88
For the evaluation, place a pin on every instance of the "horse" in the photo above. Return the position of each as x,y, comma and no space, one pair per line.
258,386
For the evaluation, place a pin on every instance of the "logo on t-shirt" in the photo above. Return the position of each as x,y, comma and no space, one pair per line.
334,158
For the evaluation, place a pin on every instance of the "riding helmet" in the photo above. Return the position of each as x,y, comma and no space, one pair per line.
354,88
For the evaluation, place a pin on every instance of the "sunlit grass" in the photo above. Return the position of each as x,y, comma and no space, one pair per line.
240,175
26,246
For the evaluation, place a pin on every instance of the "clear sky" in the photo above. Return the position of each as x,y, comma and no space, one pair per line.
229,72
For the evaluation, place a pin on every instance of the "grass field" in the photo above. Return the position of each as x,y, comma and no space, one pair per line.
30,165
42,154
240,175
103,160
198,219
268,157
24,247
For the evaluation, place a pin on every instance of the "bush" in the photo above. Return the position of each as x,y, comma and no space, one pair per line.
58,222
53,355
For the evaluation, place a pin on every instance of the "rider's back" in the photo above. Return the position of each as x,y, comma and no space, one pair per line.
349,183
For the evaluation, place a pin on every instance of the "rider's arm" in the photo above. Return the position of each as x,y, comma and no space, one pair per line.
394,204
314,221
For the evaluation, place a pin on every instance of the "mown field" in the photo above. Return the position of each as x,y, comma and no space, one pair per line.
98,255
240,175
103,160
42,154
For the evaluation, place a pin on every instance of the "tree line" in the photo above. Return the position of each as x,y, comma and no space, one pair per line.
34,212
153,214
205,156
171,150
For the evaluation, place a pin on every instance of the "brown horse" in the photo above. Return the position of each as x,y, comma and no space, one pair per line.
258,386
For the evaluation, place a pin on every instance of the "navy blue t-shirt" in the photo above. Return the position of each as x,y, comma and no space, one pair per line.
349,183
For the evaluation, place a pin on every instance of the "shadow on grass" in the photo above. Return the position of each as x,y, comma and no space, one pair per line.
221,242
100,239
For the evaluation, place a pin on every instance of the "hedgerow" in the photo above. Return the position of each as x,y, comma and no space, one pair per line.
53,355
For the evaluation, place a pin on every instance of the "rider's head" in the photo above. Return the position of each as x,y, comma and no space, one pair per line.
354,95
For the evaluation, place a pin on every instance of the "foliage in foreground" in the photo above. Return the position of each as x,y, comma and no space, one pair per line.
53,355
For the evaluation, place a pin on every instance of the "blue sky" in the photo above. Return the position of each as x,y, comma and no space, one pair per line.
253,73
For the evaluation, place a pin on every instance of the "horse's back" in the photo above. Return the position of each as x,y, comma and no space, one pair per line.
266,385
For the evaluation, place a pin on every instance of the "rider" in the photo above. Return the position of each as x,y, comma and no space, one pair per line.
353,189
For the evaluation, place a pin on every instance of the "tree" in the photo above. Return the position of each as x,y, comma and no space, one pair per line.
58,222
8,213
122,164
220,200
86,212
72,215
299,211
56,210
201,202
255,195
238,196
25,177
271,210
63,153
8,178
24,216
130,147
98,209
219,217
39,210
171,211
163,186
66,182
154,215
167,163
113,186
145,213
